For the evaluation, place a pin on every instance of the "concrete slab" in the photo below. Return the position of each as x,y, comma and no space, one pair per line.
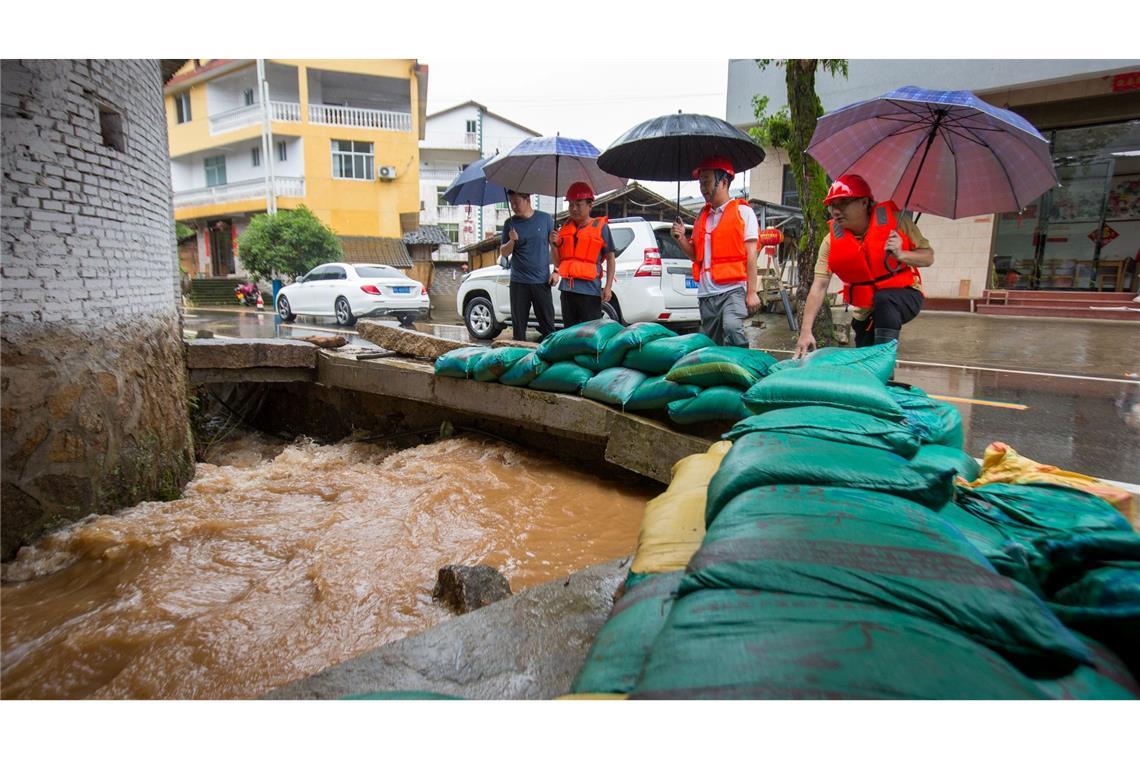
649,448
214,353
530,646
406,342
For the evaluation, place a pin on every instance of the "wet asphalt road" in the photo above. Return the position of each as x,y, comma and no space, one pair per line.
1069,417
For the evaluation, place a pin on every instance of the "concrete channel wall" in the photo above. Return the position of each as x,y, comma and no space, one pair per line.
399,394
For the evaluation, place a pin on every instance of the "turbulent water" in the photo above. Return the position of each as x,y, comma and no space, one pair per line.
282,560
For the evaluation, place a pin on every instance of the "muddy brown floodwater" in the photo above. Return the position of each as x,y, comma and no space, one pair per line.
282,560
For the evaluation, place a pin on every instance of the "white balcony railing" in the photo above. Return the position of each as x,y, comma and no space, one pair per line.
289,187
444,176
237,118
364,118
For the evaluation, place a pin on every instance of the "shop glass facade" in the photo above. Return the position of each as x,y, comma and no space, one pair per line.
1085,234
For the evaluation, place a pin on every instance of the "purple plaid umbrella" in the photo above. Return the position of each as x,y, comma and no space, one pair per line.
937,151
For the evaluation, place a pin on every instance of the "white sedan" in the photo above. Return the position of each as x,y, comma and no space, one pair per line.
351,291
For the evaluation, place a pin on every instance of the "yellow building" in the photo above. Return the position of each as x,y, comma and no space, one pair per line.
344,141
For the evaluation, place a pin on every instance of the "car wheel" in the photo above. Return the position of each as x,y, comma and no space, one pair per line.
611,310
479,316
283,309
343,312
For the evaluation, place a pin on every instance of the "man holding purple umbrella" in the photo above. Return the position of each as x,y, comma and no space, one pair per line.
876,252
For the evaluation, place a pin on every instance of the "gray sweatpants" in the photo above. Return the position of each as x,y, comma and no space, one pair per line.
722,317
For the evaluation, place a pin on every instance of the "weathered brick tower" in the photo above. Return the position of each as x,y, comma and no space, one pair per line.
92,383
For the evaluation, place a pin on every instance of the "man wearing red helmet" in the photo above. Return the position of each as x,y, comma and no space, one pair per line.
578,252
876,253
723,250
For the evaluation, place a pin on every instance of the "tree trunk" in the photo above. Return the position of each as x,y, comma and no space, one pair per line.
804,110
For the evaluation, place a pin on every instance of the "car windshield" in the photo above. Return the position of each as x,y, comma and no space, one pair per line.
377,271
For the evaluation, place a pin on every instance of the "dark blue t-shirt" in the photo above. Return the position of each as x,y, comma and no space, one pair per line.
591,287
530,261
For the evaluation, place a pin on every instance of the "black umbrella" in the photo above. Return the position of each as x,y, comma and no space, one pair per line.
668,148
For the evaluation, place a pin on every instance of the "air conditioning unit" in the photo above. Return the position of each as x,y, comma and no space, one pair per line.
387,172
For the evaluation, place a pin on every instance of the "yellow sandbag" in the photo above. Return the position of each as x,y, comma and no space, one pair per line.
1002,464
673,525
591,696
698,469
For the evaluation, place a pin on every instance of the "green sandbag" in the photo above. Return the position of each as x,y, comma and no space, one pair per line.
710,405
613,386
496,362
742,644
525,370
562,377
933,421
657,393
878,359
460,362
632,337
850,545
721,365
588,361
941,457
659,356
586,338
1106,678
764,459
619,650
831,424
840,387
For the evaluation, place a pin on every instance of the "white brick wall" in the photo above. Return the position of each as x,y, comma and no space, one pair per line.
87,231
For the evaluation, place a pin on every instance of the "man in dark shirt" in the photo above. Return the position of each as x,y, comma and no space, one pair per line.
526,242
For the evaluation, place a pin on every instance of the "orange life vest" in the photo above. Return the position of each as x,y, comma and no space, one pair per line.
863,265
578,249
728,261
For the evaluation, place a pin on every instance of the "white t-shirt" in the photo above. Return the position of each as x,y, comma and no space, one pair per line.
706,287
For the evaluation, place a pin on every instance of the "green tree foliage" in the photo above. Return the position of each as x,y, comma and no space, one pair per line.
791,129
183,231
289,243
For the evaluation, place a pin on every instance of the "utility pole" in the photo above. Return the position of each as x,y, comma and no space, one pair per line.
266,139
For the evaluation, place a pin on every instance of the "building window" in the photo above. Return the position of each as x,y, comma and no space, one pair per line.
789,196
215,171
255,157
182,106
111,128
247,96
452,231
472,127
282,152
439,201
352,159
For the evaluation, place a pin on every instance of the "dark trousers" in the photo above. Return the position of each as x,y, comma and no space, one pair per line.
525,295
579,307
893,308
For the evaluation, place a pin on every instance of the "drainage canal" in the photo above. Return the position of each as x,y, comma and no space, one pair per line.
283,559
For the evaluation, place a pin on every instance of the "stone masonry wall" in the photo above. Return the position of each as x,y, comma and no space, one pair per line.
92,384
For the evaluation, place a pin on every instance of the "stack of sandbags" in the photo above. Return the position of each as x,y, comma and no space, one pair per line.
671,530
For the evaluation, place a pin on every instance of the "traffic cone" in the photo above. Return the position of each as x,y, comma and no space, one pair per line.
260,303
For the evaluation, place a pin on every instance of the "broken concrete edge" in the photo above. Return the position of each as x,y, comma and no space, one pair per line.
630,441
215,353
528,646
407,342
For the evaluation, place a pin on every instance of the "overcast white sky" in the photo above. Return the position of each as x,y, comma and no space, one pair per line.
550,96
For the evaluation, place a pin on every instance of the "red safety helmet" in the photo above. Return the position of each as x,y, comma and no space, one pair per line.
848,186
714,162
580,191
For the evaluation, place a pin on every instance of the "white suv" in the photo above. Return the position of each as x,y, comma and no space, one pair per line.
653,283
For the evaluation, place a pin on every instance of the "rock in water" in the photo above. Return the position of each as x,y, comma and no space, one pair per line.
464,588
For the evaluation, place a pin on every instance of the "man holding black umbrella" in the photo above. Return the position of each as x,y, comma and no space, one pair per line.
526,243
723,250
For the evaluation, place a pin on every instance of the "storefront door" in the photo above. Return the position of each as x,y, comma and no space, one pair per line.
221,248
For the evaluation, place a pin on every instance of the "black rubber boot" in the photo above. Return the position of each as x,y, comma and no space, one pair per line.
885,335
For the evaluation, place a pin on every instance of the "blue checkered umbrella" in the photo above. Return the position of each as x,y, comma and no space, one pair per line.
935,151
473,188
549,165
